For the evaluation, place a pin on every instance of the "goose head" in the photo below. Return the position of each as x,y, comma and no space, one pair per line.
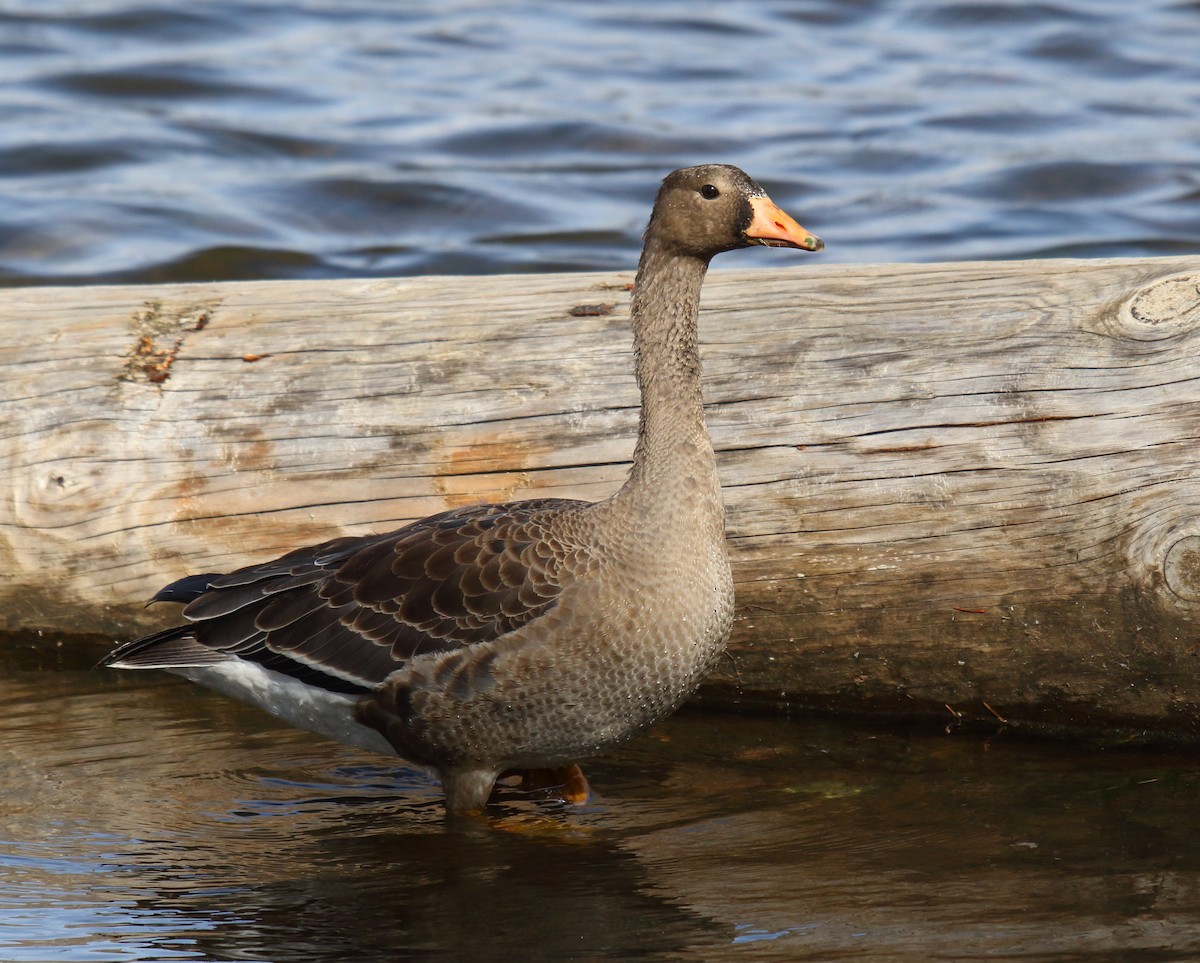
702,211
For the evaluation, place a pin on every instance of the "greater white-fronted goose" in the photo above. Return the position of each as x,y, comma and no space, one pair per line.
521,636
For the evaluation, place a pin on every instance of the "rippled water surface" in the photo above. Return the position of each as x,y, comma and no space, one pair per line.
142,818
166,141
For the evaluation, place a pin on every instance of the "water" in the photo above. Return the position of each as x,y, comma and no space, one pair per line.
144,819
156,141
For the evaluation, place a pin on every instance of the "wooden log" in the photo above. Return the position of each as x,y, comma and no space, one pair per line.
963,489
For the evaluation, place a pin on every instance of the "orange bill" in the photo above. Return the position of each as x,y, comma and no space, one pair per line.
773,227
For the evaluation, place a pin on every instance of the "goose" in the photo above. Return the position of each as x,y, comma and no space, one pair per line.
522,636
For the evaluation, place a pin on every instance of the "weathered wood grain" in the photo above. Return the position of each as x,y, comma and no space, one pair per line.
971,486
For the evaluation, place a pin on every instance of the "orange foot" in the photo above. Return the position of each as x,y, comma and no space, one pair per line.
567,783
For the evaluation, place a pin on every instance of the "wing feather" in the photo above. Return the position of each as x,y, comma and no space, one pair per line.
347,613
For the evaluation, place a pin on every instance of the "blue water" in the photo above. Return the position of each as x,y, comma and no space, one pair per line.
144,141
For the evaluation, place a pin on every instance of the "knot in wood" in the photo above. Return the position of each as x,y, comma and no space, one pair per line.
1182,568
1164,308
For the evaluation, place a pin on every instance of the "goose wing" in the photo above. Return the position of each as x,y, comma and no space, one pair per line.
347,613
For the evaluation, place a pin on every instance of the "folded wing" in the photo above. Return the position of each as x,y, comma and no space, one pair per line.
347,613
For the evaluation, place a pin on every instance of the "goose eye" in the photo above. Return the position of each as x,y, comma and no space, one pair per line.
709,192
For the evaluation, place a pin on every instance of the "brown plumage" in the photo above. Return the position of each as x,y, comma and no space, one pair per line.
519,636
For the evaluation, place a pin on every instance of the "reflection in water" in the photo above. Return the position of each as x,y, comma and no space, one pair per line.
467,894
144,818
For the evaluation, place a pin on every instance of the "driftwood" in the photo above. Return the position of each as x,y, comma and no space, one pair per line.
969,490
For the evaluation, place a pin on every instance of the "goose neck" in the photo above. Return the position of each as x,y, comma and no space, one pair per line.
673,447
